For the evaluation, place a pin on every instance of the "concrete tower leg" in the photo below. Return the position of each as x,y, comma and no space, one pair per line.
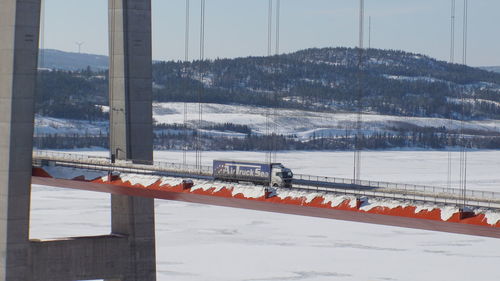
127,254
19,29
131,125
130,78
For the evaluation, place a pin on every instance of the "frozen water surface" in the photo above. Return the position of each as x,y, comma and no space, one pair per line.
199,242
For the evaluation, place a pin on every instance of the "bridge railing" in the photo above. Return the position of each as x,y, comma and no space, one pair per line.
402,187
391,194
319,182
105,161
67,156
182,168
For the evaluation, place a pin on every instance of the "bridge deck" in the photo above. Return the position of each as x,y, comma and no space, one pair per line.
399,191
450,227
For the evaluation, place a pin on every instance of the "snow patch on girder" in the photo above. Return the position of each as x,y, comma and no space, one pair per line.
170,181
492,218
207,185
330,199
249,191
424,207
308,196
448,211
144,180
383,203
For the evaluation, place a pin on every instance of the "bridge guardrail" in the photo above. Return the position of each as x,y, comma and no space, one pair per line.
104,161
415,197
405,188
372,188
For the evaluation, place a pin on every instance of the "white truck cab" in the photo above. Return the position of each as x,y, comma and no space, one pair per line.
281,176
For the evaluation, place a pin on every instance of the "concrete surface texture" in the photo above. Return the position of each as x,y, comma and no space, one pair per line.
130,79
127,254
19,28
131,124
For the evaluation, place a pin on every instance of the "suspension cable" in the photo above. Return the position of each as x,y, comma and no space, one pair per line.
369,32
452,27
278,8
186,70
463,150
275,113
41,64
359,116
452,60
186,34
200,93
465,31
268,110
111,89
269,27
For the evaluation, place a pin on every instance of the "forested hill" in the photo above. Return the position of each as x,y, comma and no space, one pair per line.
392,82
492,68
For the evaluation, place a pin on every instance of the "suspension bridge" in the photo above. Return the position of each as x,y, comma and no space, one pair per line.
128,252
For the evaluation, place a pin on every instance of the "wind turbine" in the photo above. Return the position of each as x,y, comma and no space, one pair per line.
79,44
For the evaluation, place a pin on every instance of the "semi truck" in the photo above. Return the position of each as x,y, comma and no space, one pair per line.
268,174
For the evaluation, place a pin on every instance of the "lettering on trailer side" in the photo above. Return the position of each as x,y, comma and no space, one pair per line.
240,169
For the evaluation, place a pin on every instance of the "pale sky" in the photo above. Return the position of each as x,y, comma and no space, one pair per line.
236,28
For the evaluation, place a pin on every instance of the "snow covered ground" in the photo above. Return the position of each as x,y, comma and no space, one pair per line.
304,124
198,242
51,125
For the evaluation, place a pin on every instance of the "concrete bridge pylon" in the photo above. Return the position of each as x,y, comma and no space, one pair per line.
128,253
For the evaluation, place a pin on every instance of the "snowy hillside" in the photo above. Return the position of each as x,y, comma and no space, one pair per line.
305,124
393,83
406,99
301,123
50,125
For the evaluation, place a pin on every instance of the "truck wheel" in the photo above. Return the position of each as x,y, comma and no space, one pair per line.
275,185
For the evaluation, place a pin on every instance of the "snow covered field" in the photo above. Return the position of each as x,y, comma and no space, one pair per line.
51,125
198,242
303,124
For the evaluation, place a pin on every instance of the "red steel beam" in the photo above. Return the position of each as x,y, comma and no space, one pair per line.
415,223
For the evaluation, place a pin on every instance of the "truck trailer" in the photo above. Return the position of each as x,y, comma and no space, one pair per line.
268,174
